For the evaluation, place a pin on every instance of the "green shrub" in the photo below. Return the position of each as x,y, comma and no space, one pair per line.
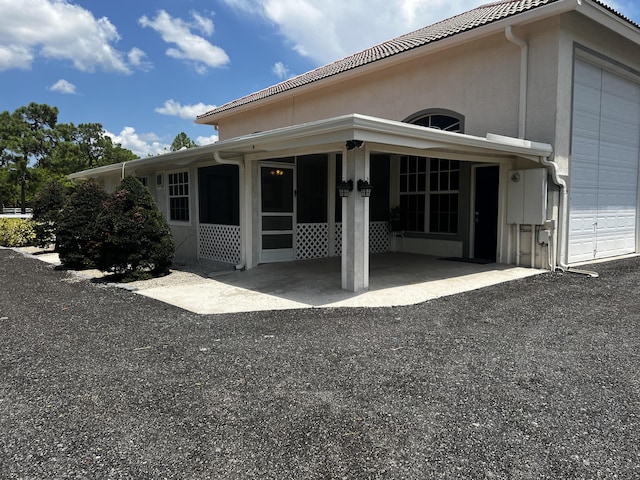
47,210
135,239
17,232
77,234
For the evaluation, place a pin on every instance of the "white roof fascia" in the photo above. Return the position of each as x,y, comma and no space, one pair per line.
537,14
334,131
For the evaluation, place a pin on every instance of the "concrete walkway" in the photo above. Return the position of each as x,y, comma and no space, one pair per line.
395,279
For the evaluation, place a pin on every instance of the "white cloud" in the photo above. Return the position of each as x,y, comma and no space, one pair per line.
137,57
280,70
188,46
188,112
62,86
204,24
142,144
348,27
56,29
15,56
206,140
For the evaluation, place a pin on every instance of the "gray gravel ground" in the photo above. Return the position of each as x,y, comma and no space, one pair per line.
537,378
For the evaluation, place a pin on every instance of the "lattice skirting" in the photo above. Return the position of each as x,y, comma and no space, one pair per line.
337,240
378,238
312,240
220,243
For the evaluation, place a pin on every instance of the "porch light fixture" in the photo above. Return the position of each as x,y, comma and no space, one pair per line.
364,187
344,187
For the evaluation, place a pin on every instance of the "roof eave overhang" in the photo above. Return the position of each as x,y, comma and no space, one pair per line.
537,14
327,133
610,20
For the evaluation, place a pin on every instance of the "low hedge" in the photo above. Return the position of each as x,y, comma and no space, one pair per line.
17,232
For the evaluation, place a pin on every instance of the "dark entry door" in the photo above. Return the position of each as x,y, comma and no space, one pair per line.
485,241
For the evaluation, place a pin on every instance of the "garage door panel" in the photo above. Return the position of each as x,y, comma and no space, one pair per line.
586,74
604,164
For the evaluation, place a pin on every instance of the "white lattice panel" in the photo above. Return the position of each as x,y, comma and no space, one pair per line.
220,243
378,238
312,240
337,240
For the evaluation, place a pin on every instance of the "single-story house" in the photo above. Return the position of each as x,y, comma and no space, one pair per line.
509,133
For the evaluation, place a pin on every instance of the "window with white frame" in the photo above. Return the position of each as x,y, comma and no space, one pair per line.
178,183
444,183
429,189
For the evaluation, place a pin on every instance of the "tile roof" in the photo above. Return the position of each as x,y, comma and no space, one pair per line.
463,22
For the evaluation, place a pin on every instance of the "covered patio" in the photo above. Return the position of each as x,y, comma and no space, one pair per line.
357,138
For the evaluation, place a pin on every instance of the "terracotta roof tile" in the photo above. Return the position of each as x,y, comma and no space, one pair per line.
463,22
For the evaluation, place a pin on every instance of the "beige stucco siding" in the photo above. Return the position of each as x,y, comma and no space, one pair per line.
480,81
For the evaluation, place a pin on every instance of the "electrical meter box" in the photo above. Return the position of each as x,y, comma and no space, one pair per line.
527,197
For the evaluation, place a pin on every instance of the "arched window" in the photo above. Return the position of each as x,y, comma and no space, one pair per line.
440,119
429,187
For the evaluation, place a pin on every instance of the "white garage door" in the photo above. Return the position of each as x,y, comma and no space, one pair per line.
604,164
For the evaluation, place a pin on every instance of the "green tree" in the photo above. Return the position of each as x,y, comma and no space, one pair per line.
182,141
48,205
77,235
135,239
86,146
26,137
35,150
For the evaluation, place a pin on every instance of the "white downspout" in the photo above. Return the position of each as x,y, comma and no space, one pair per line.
563,213
561,237
122,173
524,75
243,227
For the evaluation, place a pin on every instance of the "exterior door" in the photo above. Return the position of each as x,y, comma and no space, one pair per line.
485,227
277,212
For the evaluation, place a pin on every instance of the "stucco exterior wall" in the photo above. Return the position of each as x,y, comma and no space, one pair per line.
479,80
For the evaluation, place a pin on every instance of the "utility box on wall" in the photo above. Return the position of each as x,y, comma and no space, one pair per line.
527,197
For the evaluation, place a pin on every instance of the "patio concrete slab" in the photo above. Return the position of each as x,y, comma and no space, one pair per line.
395,279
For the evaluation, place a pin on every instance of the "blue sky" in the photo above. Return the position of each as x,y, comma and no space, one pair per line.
145,69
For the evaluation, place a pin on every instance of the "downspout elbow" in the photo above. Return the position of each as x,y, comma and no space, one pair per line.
563,220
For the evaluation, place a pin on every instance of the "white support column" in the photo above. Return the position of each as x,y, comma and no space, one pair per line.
355,223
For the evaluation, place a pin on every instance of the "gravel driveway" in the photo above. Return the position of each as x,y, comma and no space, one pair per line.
537,378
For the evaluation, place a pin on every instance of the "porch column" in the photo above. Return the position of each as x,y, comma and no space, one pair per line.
355,223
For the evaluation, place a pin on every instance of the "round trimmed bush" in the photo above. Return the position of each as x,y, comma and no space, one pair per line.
77,234
135,240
